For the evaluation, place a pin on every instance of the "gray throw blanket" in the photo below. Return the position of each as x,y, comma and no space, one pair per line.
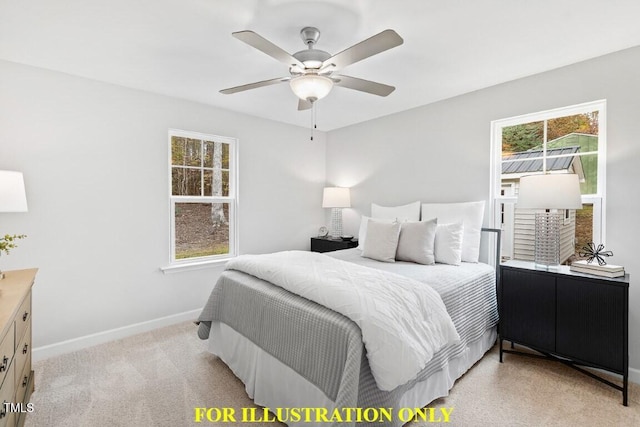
319,344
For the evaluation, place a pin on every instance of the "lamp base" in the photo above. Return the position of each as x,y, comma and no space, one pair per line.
335,228
547,239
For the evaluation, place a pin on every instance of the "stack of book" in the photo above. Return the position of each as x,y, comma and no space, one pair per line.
606,270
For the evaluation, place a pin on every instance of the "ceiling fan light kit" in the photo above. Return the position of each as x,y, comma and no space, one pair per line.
311,70
311,87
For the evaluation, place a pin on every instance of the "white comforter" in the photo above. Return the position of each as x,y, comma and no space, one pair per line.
403,322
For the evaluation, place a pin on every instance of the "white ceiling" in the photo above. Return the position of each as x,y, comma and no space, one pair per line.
184,48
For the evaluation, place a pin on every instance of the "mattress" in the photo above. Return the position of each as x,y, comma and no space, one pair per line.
291,352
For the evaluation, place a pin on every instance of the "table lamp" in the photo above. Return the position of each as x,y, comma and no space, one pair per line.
549,192
336,198
12,195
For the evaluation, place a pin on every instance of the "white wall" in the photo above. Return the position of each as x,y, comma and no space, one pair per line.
94,158
441,152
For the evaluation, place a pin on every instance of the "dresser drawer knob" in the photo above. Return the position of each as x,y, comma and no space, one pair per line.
25,316
25,381
25,348
5,361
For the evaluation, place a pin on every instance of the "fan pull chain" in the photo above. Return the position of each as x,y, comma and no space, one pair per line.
313,119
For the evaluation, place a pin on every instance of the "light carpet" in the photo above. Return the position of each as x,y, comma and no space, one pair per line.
159,377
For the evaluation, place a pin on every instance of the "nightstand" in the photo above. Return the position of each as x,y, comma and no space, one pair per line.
326,244
577,319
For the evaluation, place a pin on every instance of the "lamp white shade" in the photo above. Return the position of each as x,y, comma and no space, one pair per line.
311,87
549,191
12,195
336,197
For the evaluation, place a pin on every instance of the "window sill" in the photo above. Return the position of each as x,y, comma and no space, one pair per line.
196,265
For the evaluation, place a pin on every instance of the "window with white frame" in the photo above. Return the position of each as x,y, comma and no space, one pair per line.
564,140
203,195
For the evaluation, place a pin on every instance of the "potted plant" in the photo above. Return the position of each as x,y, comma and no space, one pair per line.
7,243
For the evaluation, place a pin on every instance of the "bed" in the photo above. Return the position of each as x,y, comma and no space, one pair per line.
291,352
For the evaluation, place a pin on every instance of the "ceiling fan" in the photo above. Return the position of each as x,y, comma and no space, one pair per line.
312,70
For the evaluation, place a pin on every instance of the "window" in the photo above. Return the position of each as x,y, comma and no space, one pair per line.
203,194
565,140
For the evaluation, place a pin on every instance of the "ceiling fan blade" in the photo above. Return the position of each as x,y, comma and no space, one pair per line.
255,85
304,105
257,41
362,85
366,48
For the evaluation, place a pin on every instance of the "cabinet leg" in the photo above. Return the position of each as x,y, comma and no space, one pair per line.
500,350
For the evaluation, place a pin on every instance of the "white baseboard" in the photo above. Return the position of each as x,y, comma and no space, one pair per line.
634,375
51,350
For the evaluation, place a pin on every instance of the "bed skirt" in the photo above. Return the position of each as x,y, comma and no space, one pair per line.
264,376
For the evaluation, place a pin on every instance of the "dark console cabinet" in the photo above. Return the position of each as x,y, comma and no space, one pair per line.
578,319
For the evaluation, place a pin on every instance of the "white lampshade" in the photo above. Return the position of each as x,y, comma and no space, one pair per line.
311,87
549,191
336,197
12,195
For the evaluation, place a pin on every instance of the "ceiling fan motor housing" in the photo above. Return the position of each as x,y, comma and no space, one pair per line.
312,58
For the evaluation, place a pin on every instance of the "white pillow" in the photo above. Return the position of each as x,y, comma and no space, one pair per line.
470,214
362,231
382,241
416,242
448,243
409,212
